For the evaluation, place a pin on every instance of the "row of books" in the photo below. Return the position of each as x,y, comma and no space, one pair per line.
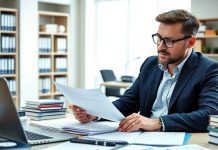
8,44
61,44
45,64
8,21
213,129
44,109
203,31
44,85
7,65
12,86
61,80
61,64
44,44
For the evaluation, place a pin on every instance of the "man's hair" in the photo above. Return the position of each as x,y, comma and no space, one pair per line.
190,23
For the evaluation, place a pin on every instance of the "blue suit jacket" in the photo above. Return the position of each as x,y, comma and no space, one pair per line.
195,95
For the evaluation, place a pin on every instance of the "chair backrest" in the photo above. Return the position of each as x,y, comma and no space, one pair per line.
108,75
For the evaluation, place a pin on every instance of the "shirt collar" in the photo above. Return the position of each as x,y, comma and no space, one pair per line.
178,68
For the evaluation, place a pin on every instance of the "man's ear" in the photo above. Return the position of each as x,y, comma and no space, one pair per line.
191,42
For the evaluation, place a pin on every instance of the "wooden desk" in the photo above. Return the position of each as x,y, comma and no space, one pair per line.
202,140
196,138
116,84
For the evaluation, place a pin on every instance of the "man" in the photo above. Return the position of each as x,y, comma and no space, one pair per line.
175,91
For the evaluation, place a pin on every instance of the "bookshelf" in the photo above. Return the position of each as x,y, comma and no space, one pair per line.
9,51
207,37
53,52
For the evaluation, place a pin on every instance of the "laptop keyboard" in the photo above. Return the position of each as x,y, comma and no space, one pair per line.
34,136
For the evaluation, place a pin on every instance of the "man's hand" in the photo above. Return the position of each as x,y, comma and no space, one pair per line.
81,115
135,122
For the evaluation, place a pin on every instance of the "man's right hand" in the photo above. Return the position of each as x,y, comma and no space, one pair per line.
81,115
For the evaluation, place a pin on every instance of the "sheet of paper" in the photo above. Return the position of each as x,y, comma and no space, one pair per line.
143,147
146,138
161,138
117,136
92,100
77,146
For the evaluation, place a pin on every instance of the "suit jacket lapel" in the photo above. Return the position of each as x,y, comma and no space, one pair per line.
185,75
154,85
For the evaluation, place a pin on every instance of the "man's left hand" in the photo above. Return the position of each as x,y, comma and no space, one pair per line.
135,122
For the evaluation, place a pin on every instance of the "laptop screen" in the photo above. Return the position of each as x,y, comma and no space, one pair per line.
10,125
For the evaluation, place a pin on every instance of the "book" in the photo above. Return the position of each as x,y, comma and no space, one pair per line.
214,124
215,134
211,128
27,109
44,105
48,108
39,114
46,117
213,140
44,101
214,118
71,125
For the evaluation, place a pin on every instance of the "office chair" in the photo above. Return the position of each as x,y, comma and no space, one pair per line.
108,75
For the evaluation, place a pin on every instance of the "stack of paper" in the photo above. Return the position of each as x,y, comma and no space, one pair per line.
72,126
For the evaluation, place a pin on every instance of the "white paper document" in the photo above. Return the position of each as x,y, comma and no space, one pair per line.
77,146
143,147
72,126
145,138
92,100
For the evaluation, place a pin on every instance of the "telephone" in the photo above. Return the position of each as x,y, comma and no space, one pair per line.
127,78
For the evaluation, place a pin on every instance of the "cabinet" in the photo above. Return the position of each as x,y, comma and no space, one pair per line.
53,52
9,52
207,37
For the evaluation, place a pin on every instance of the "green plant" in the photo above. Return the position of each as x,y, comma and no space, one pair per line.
206,49
215,50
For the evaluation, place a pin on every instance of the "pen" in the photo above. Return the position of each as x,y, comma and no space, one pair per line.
92,142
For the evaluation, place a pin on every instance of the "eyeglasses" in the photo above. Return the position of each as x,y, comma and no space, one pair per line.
167,41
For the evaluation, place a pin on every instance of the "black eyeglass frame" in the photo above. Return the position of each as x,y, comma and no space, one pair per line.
173,41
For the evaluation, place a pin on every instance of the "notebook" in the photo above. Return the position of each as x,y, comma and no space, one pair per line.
12,129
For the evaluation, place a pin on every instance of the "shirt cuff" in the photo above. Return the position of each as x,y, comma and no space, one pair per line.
163,127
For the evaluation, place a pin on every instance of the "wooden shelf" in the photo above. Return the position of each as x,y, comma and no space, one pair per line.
55,14
8,75
8,32
55,52
52,34
12,36
8,54
208,19
207,43
207,37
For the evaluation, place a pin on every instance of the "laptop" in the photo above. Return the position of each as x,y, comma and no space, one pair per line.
12,129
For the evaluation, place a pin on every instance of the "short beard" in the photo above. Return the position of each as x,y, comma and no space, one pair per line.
170,61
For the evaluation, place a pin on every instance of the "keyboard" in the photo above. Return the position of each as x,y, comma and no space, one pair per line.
34,136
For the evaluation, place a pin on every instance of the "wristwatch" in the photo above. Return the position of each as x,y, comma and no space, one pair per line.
160,123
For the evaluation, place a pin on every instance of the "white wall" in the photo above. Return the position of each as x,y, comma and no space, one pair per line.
28,50
204,8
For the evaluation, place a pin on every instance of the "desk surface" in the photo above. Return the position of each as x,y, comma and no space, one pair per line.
116,84
196,138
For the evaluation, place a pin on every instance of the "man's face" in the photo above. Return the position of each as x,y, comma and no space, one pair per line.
177,53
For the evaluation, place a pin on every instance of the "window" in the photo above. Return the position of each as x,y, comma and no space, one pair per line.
123,34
